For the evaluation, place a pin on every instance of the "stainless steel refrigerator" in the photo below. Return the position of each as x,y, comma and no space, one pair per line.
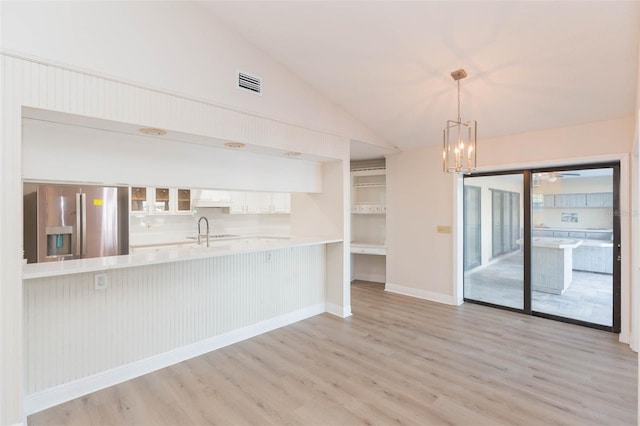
77,222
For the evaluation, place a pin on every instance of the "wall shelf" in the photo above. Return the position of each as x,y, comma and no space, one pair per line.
368,224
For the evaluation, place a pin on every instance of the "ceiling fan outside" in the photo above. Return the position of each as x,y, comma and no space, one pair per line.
554,176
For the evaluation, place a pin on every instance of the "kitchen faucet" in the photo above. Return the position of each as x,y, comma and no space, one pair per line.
199,234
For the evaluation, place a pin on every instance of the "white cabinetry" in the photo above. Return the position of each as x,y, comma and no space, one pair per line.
160,200
589,199
244,202
259,202
275,202
600,199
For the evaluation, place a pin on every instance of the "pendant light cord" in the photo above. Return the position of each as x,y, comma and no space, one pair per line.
459,119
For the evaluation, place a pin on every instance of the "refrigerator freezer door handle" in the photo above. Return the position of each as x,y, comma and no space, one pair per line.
78,231
84,223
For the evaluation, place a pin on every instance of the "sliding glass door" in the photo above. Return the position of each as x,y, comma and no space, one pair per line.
545,243
572,244
496,274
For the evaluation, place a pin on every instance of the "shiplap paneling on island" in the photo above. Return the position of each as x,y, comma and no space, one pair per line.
73,331
54,88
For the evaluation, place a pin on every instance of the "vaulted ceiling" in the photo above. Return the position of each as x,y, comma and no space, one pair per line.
532,64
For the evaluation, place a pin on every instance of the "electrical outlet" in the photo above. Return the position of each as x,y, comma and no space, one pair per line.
100,281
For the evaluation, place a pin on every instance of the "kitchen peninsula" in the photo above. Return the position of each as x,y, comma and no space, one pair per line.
553,264
131,314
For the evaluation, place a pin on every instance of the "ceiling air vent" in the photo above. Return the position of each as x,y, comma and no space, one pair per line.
249,82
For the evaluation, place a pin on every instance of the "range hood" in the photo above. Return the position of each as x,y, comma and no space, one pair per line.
211,198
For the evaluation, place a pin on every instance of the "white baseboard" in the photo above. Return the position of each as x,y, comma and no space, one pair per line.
374,278
339,311
68,391
420,294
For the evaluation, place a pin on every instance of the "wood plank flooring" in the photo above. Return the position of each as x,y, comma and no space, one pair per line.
398,360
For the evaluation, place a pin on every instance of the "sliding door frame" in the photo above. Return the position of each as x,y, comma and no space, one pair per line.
527,206
526,177
616,276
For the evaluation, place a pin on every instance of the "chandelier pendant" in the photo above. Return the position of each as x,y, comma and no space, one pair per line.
459,139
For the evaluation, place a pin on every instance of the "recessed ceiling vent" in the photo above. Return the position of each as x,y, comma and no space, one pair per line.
249,82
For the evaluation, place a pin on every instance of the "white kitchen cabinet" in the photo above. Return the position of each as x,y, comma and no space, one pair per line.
160,201
600,199
580,199
184,201
139,200
549,200
571,200
259,202
244,202
275,202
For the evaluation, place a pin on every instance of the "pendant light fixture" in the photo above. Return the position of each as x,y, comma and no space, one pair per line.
459,139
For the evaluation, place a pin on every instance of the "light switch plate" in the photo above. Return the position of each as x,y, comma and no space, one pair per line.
100,281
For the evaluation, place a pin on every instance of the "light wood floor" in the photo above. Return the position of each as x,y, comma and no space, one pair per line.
398,360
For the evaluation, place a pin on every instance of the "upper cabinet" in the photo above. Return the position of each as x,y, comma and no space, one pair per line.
259,202
280,202
600,199
184,204
589,199
570,200
160,200
139,200
182,201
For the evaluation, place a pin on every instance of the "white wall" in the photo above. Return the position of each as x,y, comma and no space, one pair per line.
173,45
420,197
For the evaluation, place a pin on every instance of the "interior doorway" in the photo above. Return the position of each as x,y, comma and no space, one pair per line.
551,243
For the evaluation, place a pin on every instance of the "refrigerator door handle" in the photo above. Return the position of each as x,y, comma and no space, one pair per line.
84,223
78,231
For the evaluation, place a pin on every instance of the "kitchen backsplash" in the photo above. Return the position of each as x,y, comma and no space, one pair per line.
159,228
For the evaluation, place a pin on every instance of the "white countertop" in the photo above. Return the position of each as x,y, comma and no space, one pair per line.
220,248
557,243
594,230
367,244
162,240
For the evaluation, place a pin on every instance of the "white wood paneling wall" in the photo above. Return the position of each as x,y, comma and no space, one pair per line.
53,88
73,331
30,83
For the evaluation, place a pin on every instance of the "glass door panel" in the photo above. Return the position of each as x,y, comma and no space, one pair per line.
494,269
572,244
